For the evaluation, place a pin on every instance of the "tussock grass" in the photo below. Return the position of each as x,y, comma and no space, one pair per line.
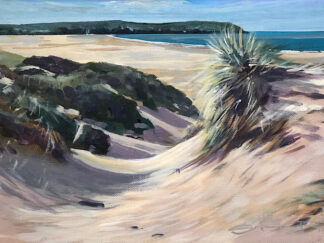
234,88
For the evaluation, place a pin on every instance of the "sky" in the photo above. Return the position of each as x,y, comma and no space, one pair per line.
252,15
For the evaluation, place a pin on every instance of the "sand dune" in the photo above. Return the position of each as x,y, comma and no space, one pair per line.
250,196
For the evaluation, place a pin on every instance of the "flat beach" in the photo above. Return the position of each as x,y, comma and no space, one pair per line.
175,64
171,63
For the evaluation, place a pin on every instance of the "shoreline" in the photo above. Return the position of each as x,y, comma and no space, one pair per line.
196,45
161,42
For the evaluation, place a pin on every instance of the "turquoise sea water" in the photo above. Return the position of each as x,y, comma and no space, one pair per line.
296,41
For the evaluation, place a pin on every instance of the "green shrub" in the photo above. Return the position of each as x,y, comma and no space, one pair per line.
149,102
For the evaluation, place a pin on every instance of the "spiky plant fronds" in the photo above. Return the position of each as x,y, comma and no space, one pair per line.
230,101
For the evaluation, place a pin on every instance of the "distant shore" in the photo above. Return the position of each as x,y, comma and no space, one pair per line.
175,64
116,27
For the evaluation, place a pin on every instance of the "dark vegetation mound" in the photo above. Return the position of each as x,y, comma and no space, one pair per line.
53,64
102,80
54,98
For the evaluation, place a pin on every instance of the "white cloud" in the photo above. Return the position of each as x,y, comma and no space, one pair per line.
58,6
142,5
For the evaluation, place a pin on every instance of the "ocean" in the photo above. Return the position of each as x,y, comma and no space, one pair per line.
290,41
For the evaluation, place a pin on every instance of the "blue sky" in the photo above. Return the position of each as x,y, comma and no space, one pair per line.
250,14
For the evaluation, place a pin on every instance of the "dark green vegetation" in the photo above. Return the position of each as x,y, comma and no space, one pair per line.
236,90
55,96
115,27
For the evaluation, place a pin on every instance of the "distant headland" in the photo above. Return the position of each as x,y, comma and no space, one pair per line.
116,27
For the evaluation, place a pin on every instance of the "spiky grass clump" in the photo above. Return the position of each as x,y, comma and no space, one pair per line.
231,99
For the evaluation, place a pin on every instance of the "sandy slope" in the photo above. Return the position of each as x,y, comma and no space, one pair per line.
169,130
250,196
